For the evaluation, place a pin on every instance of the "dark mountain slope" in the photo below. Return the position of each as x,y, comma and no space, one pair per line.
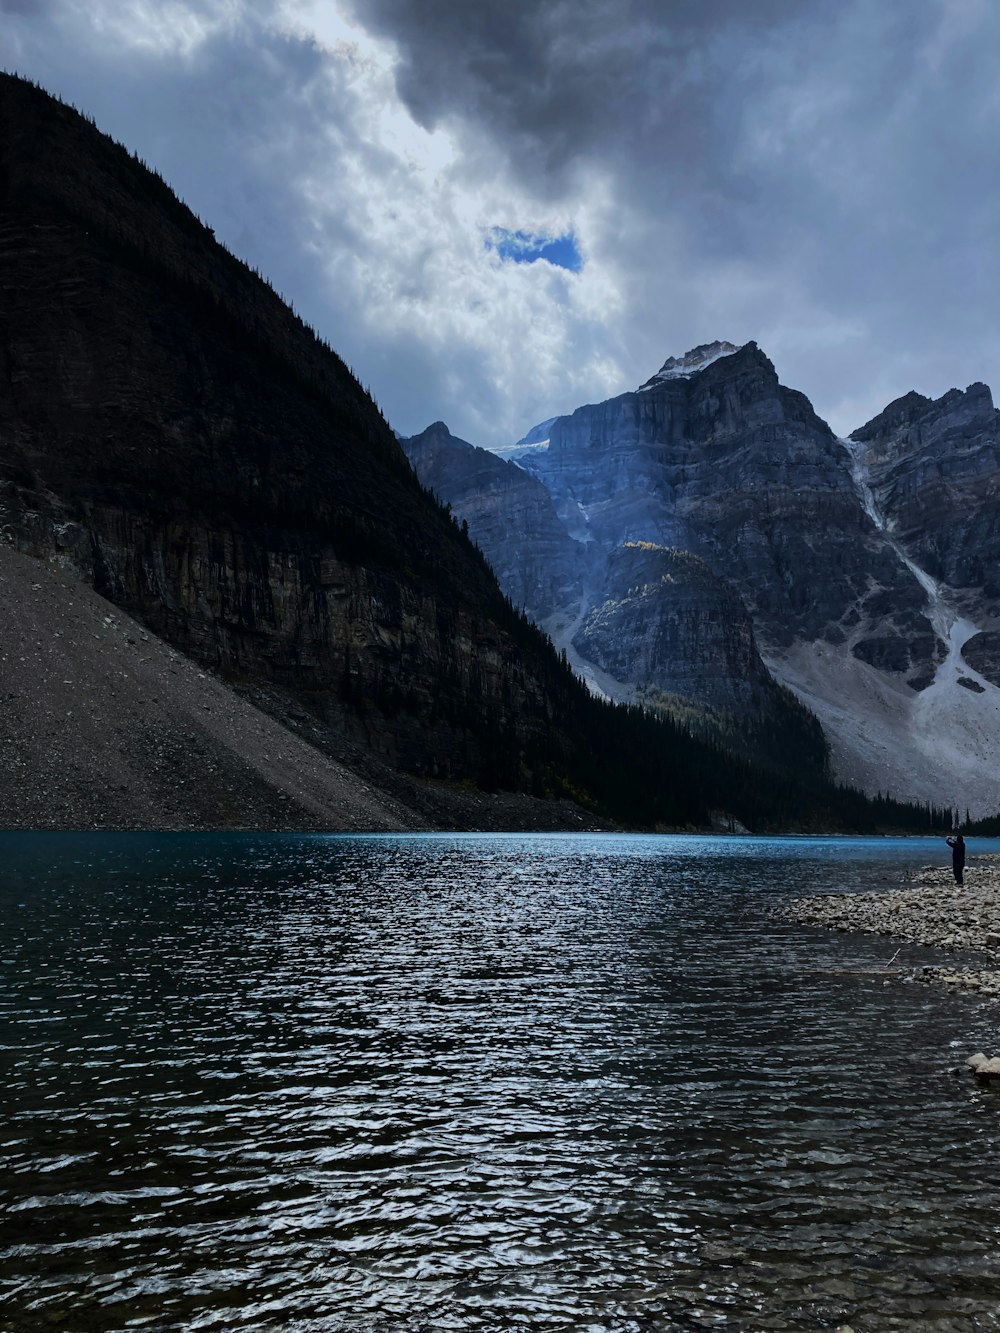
102,725
173,431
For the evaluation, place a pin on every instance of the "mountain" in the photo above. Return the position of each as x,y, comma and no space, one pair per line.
175,435
104,725
934,467
534,558
297,633
851,573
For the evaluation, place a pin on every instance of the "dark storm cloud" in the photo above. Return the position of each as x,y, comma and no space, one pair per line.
556,81
664,96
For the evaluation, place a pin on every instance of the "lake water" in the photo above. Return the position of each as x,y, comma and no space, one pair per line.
479,1082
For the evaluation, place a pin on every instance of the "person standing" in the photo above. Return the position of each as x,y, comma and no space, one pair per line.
957,845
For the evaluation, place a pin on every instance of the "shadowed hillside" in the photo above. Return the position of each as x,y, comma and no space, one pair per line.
178,435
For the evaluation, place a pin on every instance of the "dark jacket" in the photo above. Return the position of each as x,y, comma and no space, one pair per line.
957,846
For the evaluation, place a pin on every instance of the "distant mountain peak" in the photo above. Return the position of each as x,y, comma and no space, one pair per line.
681,367
954,409
437,429
538,434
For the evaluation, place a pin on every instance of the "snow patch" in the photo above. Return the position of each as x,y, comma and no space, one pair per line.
691,363
529,447
517,453
539,434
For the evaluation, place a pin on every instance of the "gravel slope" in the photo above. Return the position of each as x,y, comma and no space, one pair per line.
102,725
941,745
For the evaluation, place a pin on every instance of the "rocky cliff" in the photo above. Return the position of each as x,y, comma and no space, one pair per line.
714,458
664,619
665,622
934,467
726,462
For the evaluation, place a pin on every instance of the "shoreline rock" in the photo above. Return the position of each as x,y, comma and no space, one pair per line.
931,911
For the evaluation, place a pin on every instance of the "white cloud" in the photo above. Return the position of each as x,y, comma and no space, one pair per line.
160,28
284,130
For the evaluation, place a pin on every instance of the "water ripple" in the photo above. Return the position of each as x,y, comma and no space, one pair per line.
476,1083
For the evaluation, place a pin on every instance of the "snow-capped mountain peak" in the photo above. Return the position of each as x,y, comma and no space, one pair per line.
681,367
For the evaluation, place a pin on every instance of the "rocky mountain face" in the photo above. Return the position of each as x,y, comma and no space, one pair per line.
727,463
664,619
664,622
535,560
103,725
934,467
640,612
734,543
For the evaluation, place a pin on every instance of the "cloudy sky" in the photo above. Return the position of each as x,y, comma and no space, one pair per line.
499,209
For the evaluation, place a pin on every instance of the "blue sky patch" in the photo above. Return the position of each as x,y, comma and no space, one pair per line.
525,247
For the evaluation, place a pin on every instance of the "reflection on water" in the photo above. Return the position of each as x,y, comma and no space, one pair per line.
466,1082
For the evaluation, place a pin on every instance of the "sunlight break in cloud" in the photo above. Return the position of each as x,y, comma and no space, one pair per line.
524,247
282,126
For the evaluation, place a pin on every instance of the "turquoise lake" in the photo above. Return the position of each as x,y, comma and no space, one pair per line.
444,1082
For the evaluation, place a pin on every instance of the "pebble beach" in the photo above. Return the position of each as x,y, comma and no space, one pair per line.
927,908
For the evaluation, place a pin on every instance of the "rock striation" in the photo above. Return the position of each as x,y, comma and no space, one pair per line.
934,467
103,725
663,620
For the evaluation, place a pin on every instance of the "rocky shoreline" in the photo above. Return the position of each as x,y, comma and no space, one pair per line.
929,909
